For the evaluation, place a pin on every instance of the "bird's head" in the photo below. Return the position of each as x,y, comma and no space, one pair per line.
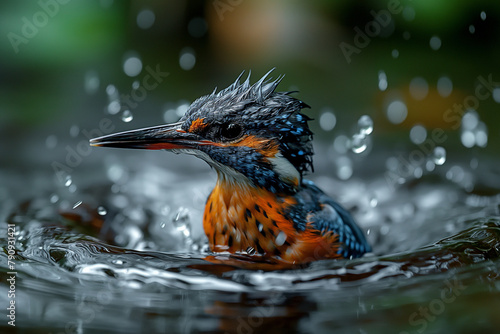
248,133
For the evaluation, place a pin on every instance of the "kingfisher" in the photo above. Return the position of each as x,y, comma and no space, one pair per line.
259,143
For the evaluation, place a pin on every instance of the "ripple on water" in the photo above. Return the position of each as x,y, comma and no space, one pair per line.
426,236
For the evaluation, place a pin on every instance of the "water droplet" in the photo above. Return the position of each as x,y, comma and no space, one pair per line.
418,134
102,211
406,35
281,238
496,94
145,19
68,181
382,80
111,90
472,29
397,112
483,15
373,202
127,116
136,84
481,135
430,165
419,88
182,108
358,143
77,204
444,86
344,168
341,144
418,172
114,107
395,53
132,64
74,131
187,59
117,173
51,142
72,188
470,120
439,155
455,174
54,198
435,43
327,120
365,125
468,139
181,217
409,13
250,251
170,115
91,82
197,27
260,227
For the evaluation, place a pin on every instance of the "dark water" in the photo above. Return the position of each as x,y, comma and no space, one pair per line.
122,251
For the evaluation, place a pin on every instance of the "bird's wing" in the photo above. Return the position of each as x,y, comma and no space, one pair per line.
330,216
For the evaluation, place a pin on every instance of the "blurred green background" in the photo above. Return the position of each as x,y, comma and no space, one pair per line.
59,58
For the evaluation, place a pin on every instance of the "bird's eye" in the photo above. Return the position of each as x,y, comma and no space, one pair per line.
231,131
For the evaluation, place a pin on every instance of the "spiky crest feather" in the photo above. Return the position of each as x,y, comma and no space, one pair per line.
261,111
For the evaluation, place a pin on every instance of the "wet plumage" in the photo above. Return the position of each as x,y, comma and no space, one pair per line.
259,143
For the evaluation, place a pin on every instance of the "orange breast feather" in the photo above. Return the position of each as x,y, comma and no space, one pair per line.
241,218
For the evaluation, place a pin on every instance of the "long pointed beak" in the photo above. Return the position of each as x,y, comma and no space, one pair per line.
163,137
